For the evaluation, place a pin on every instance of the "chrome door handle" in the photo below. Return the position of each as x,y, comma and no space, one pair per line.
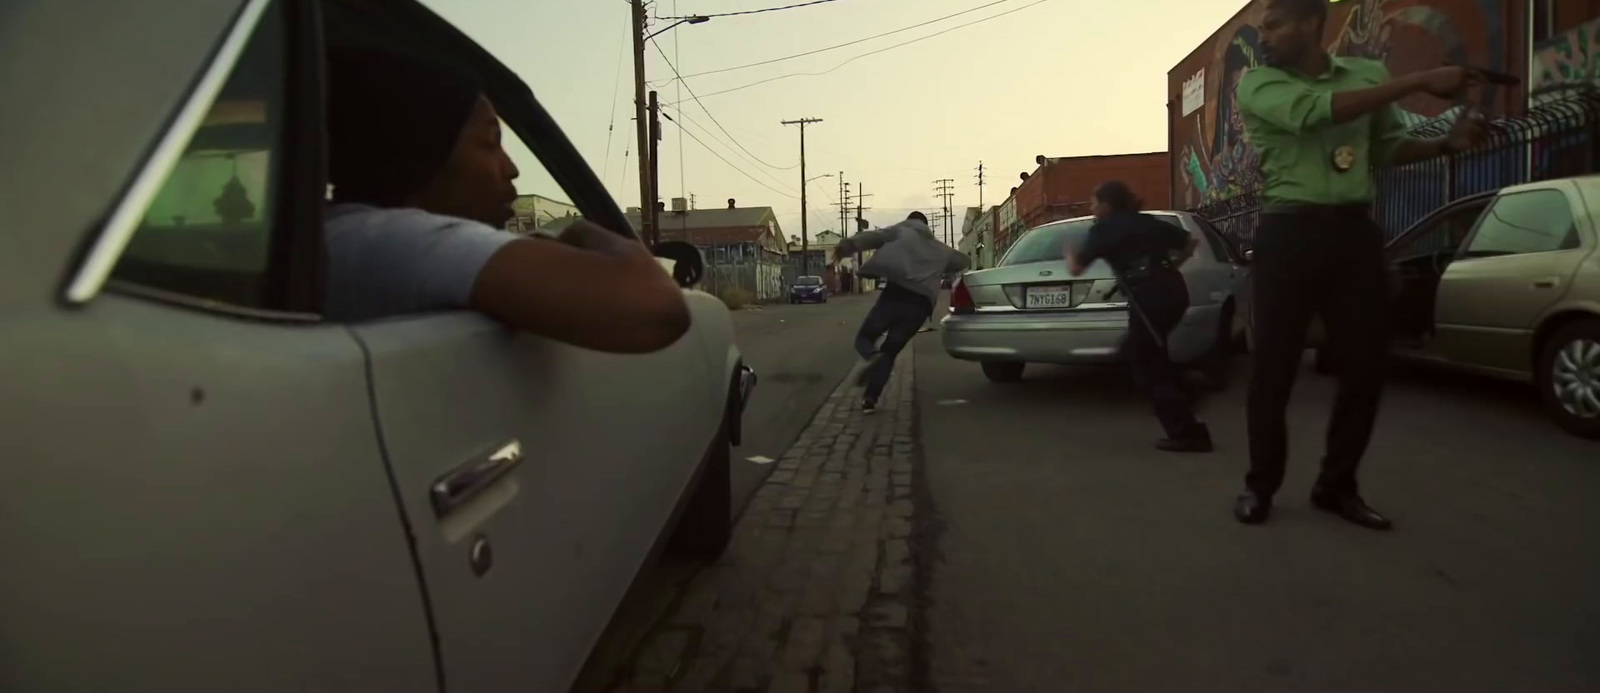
454,489
1544,284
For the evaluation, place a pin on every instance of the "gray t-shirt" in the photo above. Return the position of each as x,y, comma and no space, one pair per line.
387,262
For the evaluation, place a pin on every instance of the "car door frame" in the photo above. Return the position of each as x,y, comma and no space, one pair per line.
230,538
1400,290
487,623
1505,351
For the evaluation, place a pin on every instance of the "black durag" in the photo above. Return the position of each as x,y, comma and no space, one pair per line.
392,121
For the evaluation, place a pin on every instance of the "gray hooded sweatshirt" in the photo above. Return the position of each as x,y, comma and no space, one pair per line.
909,256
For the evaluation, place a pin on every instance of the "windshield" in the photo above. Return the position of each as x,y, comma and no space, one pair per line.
1044,243
808,281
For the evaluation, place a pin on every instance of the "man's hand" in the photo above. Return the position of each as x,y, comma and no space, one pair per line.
1069,252
1467,132
1447,82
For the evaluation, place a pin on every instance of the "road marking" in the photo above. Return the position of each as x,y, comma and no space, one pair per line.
951,402
760,459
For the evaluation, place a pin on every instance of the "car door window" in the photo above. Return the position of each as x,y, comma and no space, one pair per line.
1536,221
209,231
1444,233
1219,248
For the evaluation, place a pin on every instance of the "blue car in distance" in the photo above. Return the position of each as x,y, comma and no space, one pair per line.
808,290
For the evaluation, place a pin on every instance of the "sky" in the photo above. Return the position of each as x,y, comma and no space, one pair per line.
1052,77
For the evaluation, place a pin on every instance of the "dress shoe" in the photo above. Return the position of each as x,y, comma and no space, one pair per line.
1196,439
1252,509
1352,509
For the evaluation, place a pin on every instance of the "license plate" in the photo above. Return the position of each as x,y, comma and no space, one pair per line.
1049,297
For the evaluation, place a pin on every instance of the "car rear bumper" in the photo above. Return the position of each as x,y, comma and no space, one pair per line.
1088,338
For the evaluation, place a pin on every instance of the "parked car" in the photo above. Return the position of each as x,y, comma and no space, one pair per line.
1508,284
808,289
1027,309
209,486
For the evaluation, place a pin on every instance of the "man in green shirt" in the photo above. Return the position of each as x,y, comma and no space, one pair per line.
1320,124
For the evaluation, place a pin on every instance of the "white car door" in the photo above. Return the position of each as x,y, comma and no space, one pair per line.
195,498
535,477
1518,263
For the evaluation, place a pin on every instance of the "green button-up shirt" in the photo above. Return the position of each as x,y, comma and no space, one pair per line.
1288,118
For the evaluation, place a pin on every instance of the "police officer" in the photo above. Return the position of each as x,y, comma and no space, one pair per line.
1319,124
1145,254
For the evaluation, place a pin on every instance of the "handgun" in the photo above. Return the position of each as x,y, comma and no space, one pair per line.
1496,77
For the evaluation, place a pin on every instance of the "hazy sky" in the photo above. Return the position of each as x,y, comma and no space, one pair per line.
1053,77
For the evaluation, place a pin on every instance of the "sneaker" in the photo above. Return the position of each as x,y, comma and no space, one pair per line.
868,405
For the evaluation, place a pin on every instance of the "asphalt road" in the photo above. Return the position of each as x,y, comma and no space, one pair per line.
1073,556
799,352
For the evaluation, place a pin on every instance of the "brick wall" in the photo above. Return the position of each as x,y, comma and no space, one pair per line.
1062,187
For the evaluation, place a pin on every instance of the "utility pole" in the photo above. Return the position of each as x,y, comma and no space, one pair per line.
980,186
844,204
805,238
945,192
860,195
642,124
654,210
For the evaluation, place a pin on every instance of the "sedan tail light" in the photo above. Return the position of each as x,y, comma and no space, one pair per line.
961,299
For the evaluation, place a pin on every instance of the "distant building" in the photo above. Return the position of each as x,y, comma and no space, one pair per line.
977,237
530,212
743,246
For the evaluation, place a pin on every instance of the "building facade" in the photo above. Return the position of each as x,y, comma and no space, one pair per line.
1555,51
743,247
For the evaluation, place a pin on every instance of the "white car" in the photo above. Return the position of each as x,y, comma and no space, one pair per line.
208,486
1028,309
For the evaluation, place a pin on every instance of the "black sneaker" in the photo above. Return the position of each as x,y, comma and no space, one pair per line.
868,405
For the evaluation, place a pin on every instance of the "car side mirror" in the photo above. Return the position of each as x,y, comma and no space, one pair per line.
1249,256
688,266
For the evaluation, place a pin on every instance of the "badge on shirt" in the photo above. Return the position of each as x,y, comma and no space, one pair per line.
1343,158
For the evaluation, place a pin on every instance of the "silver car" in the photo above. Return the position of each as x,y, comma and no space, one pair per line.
1029,310
209,486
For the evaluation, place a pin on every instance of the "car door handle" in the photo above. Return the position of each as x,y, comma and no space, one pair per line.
454,489
1547,283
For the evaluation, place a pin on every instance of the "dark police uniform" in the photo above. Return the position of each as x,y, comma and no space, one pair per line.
1139,249
1316,251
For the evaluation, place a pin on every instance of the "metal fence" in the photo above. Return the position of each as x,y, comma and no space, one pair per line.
1556,139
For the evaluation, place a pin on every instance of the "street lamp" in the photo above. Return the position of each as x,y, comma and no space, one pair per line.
686,20
825,175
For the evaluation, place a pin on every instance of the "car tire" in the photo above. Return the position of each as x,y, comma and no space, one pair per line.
1572,352
706,525
1003,371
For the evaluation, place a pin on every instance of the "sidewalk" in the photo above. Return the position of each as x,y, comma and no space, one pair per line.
817,590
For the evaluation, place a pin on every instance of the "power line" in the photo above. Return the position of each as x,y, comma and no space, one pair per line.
610,129
741,171
769,9
880,50
684,117
712,117
829,48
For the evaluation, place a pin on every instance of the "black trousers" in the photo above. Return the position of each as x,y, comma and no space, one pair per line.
1325,261
1162,300
895,317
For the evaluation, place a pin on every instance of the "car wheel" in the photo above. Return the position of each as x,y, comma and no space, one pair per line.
706,525
1569,378
1003,371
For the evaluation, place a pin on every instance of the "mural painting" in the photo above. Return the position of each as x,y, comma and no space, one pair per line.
1212,162
1566,62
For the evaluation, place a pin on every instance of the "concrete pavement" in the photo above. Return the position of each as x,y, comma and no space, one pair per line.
1073,556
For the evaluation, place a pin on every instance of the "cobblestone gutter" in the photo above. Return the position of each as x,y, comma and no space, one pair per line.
819,590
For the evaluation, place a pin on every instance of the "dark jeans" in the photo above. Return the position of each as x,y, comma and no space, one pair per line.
1328,262
896,317
1163,299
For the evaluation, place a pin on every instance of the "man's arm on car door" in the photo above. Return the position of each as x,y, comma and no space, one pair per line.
592,288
